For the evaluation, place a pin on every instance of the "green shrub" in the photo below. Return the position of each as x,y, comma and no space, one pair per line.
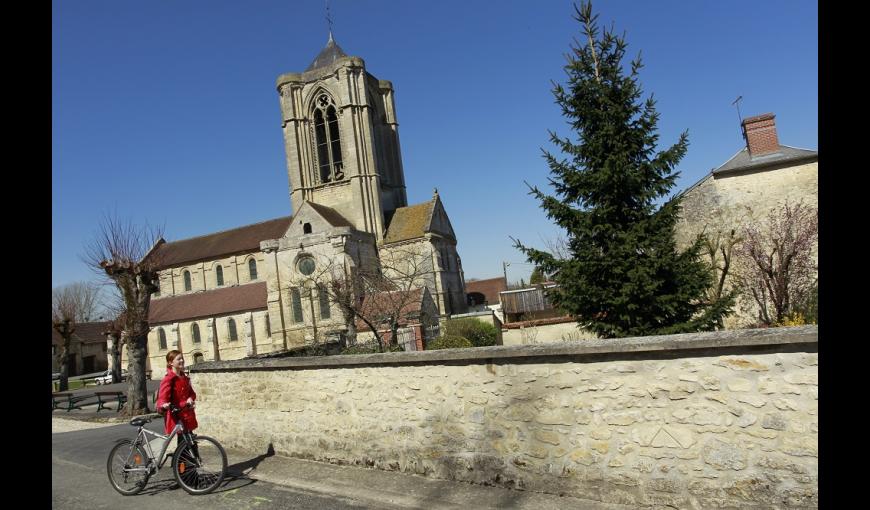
449,342
479,333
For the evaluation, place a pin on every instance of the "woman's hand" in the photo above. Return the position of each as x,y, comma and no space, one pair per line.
190,403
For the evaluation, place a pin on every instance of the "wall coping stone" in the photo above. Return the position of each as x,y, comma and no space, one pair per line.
742,339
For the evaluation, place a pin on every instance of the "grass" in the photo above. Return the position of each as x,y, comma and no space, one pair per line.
73,384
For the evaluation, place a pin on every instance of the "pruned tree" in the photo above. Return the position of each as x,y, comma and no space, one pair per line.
623,274
720,248
71,305
125,254
778,269
377,296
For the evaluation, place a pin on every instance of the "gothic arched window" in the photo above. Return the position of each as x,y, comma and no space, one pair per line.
219,275
187,285
161,338
327,139
195,333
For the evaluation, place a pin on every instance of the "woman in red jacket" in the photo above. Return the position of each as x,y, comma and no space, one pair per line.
175,388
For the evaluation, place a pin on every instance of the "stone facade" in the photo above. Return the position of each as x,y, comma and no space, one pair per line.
745,190
711,420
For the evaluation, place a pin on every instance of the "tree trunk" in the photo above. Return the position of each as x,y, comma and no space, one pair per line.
137,391
115,353
63,361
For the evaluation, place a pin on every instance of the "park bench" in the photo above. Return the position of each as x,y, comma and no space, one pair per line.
104,397
70,400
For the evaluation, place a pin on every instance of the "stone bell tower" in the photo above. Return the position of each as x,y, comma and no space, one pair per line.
342,141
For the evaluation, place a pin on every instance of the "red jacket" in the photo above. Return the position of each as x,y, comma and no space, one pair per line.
176,389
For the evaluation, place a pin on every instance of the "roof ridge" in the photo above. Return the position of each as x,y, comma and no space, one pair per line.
229,230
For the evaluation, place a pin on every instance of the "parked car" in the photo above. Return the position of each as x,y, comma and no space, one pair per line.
107,377
55,376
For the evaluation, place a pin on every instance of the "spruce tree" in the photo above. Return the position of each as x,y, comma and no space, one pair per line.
625,275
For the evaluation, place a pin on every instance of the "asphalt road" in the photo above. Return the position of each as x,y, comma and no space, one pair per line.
79,481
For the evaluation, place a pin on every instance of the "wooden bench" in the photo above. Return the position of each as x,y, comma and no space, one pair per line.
104,397
70,400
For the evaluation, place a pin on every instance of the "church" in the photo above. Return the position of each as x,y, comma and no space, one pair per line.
265,287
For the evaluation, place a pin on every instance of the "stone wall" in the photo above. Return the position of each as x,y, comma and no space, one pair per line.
711,420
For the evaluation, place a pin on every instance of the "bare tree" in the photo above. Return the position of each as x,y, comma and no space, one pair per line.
778,267
71,305
720,247
125,254
377,296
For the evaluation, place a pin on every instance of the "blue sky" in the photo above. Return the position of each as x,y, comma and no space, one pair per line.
166,112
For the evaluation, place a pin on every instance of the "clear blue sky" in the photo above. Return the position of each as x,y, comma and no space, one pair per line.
166,111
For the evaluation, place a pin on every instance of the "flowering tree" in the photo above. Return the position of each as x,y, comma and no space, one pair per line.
778,266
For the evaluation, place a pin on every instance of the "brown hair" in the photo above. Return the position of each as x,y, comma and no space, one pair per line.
170,357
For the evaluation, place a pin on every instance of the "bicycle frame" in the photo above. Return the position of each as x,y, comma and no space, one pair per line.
158,461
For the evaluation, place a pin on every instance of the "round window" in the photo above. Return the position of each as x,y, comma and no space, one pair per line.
305,265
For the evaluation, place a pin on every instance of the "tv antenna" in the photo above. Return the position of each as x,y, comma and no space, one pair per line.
736,103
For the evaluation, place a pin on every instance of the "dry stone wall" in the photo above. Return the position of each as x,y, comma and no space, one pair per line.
713,420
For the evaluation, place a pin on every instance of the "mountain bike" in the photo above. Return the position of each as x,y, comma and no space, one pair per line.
199,463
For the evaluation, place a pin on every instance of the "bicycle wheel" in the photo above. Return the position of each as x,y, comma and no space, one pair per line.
128,468
201,468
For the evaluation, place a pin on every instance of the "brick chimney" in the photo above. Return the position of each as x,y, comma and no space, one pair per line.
760,134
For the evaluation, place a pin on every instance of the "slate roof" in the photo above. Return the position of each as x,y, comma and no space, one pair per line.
210,303
327,55
219,244
331,215
786,154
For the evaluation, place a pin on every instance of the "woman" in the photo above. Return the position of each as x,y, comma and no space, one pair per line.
175,389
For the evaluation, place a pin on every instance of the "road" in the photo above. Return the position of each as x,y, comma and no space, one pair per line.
79,481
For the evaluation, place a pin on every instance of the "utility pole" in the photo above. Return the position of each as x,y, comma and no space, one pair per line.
504,266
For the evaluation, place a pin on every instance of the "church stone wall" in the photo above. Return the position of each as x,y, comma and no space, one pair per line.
710,420
203,276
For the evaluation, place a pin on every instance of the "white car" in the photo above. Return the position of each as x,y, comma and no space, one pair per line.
107,377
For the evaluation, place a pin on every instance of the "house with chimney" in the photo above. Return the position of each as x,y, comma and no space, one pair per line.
744,190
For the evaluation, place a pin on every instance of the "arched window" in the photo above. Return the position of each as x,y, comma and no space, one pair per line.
328,141
324,304
161,338
306,228
252,269
231,325
187,284
268,327
197,358
194,332
219,275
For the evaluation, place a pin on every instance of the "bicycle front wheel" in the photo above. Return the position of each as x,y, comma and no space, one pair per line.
199,468
128,468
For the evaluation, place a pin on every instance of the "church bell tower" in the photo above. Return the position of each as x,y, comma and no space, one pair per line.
342,141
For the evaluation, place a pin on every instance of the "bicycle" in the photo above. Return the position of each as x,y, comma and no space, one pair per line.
194,463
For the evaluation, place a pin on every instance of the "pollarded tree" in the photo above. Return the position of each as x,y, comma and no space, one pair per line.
624,275
71,305
124,253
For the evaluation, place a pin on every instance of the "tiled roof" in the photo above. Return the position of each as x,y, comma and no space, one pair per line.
743,161
227,242
210,303
85,332
409,222
489,288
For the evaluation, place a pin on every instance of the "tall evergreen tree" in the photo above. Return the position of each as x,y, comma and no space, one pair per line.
625,275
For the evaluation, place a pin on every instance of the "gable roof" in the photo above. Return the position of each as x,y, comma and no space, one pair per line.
222,301
85,332
329,214
416,220
227,242
786,154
